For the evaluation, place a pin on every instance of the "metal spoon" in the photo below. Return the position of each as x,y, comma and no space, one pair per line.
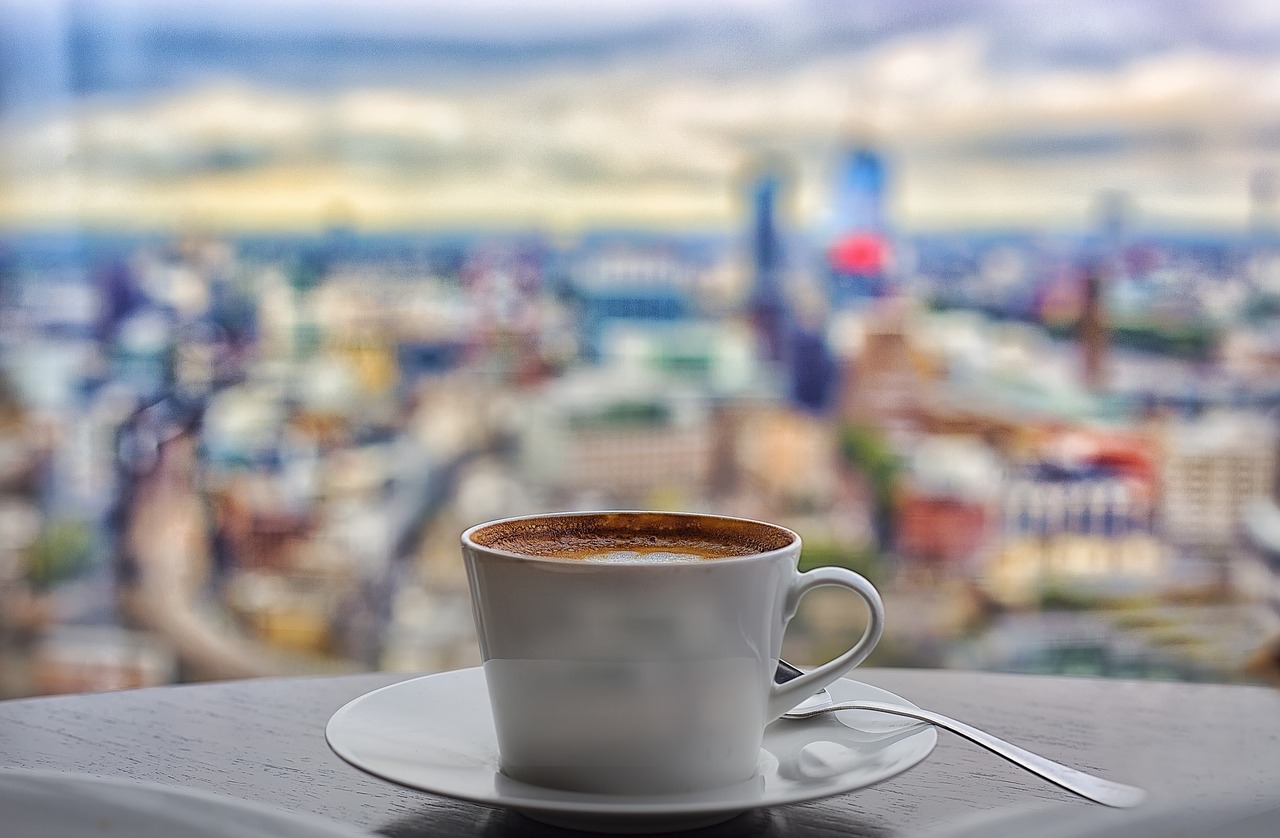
1094,788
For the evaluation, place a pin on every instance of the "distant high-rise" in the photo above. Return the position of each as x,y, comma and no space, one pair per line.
857,251
858,202
768,304
1212,468
1264,206
1093,329
813,370
885,387
1115,219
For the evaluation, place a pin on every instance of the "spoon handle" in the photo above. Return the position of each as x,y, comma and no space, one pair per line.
1094,788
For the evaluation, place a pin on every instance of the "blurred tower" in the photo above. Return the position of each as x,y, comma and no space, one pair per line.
812,370
885,387
858,202
858,251
1115,218
768,303
118,297
1264,207
1103,261
504,283
1093,329
1113,234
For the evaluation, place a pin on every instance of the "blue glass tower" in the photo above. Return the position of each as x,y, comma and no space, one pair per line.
768,305
858,249
858,203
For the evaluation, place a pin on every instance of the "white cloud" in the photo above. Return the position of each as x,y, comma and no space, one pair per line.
655,143
484,20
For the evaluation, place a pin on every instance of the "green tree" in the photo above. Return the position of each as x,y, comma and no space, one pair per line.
864,560
60,553
866,450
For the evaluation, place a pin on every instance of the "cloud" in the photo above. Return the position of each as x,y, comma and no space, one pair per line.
973,139
476,20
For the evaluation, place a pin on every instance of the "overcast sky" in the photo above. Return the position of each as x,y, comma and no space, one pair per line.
53,49
1242,22
1063,30
991,109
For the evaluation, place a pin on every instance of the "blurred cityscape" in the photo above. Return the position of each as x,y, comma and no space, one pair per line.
239,439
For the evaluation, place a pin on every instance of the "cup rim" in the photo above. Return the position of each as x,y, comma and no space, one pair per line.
469,542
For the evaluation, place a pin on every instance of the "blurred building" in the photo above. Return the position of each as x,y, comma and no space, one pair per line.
813,369
887,384
1115,221
718,358
768,305
626,438
504,286
787,457
1264,207
626,287
858,249
1093,330
1210,469
946,510
1077,527
789,319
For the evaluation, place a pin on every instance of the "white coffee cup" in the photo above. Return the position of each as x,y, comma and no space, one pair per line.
649,672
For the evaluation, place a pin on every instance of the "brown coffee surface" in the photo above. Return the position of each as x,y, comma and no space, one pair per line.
633,538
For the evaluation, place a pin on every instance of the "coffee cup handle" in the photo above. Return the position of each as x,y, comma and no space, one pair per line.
783,697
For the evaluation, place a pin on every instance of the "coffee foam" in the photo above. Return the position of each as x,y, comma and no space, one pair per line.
653,557
633,538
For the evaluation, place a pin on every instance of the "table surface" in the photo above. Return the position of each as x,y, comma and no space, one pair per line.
1190,745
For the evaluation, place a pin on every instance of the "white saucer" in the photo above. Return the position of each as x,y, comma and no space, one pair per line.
436,734
46,804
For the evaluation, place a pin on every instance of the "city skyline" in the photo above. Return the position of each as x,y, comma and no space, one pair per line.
982,299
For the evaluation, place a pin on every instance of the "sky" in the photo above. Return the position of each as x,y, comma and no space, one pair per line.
267,112
177,41
1228,21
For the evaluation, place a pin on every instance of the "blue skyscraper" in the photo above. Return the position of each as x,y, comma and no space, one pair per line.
858,249
768,304
795,344
858,202
812,370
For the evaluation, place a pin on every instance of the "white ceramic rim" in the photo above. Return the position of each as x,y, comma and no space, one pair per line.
796,543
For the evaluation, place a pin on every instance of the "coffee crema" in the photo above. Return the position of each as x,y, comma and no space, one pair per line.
677,552
633,538
651,557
